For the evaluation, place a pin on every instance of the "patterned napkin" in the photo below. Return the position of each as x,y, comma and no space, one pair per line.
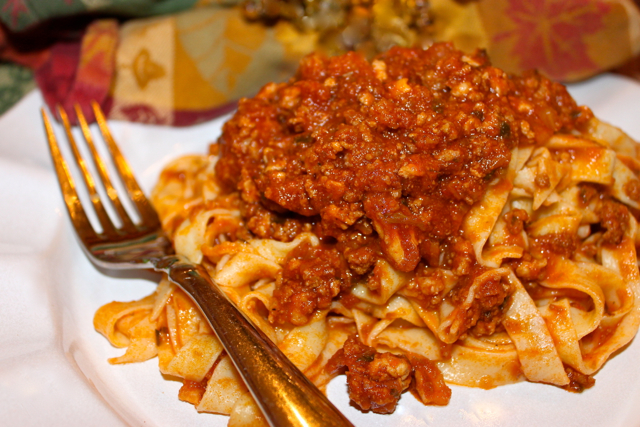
181,62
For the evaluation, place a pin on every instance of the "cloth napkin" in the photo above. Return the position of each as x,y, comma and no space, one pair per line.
181,62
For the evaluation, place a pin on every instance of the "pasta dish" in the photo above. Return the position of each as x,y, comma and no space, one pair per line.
416,221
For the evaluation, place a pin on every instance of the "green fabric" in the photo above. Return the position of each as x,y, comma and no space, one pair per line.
15,82
18,15
136,8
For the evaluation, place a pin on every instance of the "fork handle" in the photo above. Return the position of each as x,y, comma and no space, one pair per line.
285,396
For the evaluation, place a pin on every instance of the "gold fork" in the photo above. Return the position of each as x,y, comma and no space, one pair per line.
285,396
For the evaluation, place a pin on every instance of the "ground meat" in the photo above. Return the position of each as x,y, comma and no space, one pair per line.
310,279
614,218
193,391
542,181
427,286
578,382
632,189
360,247
428,383
277,225
381,160
401,146
529,268
488,305
458,255
361,260
563,244
587,194
515,219
375,380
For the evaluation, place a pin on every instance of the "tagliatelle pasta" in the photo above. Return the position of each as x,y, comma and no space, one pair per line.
413,222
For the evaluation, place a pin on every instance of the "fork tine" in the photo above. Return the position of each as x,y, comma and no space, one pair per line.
127,223
106,223
147,213
72,201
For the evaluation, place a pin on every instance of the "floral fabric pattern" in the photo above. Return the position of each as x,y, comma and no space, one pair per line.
565,39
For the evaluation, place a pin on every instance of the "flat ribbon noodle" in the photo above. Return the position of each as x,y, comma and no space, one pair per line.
246,413
536,350
194,359
622,326
372,320
584,277
540,166
610,136
186,182
590,161
128,325
338,330
420,341
486,363
501,243
224,389
191,234
482,217
250,306
389,280
303,344
623,179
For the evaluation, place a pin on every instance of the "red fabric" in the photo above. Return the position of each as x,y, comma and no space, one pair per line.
55,77
80,72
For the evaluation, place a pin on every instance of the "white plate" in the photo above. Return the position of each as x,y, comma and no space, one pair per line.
53,365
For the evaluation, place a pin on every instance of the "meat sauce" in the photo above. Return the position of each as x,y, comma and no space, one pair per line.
383,160
376,380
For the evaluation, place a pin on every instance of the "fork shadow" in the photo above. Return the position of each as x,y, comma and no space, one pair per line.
141,274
